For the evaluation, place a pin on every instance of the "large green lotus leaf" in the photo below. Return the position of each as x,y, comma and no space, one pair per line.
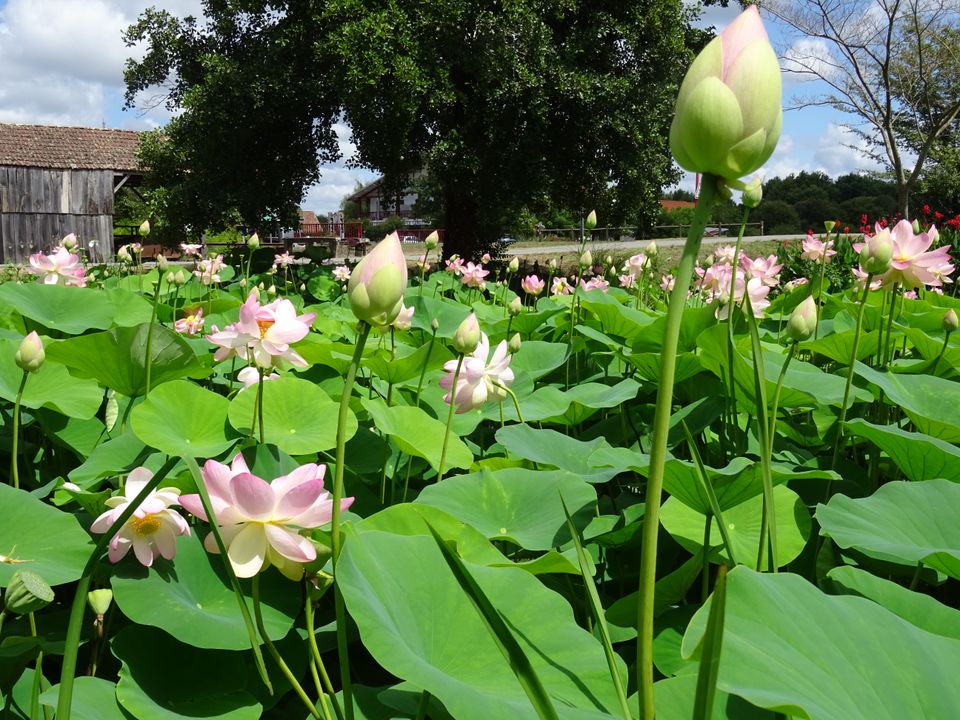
93,699
515,504
804,385
789,647
70,310
695,321
181,418
130,308
447,313
118,455
601,338
549,447
544,402
38,537
162,679
408,363
586,398
525,323
931,402
615,319
686,526
416,433
902,521
539,358
919,456
839,346
922,610
298,417
675,697
51,386
419,625
117,357
649,366
191,599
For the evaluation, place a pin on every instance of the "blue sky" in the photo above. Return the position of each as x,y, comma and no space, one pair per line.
61,63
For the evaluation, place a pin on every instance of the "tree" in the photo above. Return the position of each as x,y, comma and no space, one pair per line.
562,103
875,56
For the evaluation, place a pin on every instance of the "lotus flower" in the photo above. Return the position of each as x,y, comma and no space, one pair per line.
59,265
560,286
378,282
473,275
404,318
152,529
264,333
191,249
814,249
912,264
532,285
728,114
259,520
479,380
191,324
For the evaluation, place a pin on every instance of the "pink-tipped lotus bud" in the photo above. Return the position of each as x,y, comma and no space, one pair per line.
467,336
69,242
515,307
432,240
877,253
485,258
829,225
803,320
513,345
728,115
513,265
253,242
591,222
752,194
950,321
30,354
586,260
378,282
144,228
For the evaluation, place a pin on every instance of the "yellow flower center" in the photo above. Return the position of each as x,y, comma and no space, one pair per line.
191,318
145,526
264,325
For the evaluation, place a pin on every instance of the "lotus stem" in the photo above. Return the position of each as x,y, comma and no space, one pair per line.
453,404
15,442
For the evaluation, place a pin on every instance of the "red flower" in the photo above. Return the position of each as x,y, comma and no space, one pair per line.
925,209
938,215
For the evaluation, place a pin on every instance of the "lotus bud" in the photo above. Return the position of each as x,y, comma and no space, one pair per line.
243,282
586,260
552,264
515,307
877,253
144,228
432,240
99,600
30,354
513,345
933,234
272,290
916,226
652,248
69,242
170,278
123,254
753,194
261,286
608,260
829,225
434,325
803,320
728,114
27,592
709,260
591,222
514,264
378,281
485,258
303,287
162,263
253,242
467,336
180,278
950,321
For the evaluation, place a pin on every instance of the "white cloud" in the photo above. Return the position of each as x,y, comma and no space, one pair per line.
336,183
808,59
837,152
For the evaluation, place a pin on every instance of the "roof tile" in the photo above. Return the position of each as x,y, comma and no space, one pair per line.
50,146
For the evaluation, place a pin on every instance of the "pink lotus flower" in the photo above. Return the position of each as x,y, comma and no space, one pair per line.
628,281
191,249
485,258
766,269
532,285
191,324
404,318
59,265
341,273
912,264
264,333
251,376
209,270
560,286
594,283
473,275
814,249
479,380
727,254
667,282
910,295
454,265
422,263
284,259
259,520
637,264
794,284
152,529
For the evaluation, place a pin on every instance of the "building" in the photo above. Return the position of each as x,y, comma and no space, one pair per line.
60,180
373,204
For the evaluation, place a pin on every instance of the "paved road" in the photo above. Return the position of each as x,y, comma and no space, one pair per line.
557,248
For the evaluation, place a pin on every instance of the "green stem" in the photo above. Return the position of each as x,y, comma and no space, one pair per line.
275,654
260,404
14,450
36,688
340,609
516,403
317,660
453,404
153,317
75,623
658,451
426,361
730,320
776,397
838,445
423,705
823,267
887,350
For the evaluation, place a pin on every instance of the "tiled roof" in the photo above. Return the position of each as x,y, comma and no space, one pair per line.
674,204
49,146
308,217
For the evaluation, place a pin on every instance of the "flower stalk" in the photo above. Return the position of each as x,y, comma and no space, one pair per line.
453,405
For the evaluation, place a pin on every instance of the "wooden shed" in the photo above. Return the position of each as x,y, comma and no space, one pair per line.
60,180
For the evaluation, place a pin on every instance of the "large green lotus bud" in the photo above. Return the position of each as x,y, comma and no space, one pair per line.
803,320
728,114
27,592
514,264
591,222
586,260
877,252
378,281
467,336
432,240
753,193
253,242
513,345
30,354
516,306
145,228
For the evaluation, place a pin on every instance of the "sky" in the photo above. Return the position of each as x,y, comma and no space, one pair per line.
61,63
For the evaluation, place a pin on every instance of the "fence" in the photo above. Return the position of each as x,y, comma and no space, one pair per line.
630,232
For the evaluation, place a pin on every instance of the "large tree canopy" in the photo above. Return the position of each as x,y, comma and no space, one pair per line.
505,105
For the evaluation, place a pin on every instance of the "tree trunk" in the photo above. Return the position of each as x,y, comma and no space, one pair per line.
461,226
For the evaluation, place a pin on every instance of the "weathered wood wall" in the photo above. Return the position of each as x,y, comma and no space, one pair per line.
38,206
